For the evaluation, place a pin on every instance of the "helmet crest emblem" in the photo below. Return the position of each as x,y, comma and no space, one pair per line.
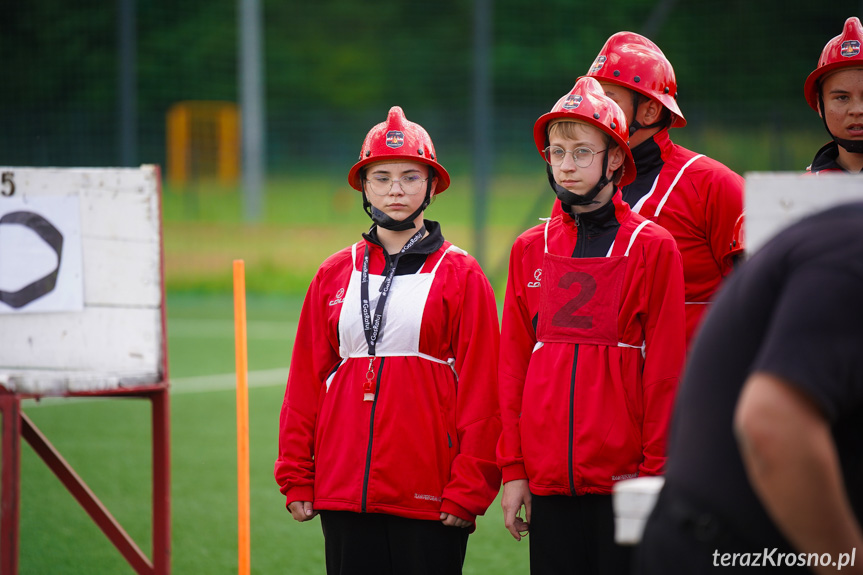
572,101
850,48
597,64
395,139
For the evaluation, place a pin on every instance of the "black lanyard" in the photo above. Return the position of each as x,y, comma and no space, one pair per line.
372,325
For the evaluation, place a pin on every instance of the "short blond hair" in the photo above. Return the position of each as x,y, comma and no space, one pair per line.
566,129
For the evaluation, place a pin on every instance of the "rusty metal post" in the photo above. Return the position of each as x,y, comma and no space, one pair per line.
10,406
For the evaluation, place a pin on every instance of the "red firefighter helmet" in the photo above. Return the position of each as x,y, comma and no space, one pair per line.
587,103
840,52
632,61
398,139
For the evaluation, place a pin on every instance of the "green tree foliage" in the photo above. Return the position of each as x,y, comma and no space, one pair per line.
343,54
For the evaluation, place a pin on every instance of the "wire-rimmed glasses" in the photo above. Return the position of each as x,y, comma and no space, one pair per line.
410,184
583,157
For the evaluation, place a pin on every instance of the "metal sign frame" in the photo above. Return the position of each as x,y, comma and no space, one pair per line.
16,425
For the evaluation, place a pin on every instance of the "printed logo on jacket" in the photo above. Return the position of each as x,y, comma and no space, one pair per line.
340,297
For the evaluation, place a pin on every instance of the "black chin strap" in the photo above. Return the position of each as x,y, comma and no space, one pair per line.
853,146
388,223
568,198
635,125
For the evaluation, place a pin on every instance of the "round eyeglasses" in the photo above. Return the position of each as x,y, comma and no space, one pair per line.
583,157
410,184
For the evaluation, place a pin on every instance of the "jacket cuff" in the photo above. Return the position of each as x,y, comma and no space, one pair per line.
513,472
302,493
455,509
652,467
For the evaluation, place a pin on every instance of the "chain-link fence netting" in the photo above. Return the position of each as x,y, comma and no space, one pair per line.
333,68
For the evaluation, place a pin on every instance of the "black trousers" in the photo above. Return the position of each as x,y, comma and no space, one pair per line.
575,535
374,543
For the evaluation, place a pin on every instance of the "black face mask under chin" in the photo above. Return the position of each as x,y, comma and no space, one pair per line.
384,221
853,146
569,199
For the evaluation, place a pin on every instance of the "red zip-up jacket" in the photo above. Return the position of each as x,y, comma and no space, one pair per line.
426,442
579,417
698,200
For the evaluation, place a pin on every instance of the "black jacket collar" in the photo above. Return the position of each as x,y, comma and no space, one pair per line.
413,259
825,159
598,221
648,154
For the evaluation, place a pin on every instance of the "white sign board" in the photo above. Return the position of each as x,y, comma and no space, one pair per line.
773,201
81,307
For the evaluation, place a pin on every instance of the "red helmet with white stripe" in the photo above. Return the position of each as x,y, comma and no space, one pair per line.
843,51
398,139
632,61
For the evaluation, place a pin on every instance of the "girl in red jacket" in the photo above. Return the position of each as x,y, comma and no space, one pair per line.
390,418
592,344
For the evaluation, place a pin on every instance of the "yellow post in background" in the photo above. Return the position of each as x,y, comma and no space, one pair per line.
243,519
178,144
229,143
203,142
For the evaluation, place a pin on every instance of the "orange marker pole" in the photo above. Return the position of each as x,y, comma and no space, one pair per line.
243,519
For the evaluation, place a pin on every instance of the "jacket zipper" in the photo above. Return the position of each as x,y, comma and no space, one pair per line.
371,437
572,420
580,242
579,252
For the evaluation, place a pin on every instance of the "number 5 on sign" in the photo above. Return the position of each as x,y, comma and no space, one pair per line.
8,184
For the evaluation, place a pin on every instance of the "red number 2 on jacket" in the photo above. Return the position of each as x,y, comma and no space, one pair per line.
580,299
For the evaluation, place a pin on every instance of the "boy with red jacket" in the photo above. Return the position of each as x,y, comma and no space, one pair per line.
592,343
696,198
835,90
